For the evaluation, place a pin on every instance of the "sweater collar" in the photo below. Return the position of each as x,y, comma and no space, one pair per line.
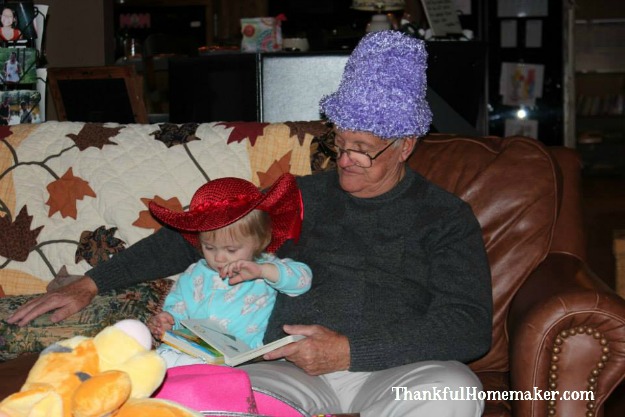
404,184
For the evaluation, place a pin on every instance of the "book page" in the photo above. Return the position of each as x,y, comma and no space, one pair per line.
189,343
261,350
235,351
217,337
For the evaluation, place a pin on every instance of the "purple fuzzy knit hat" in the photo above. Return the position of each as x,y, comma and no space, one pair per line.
383,88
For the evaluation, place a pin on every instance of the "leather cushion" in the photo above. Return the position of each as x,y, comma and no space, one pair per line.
512,184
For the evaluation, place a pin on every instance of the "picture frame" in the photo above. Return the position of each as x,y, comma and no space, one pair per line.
97,94
23,107
18,66
18,22
442,17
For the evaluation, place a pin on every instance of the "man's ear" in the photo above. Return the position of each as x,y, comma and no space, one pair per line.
407,146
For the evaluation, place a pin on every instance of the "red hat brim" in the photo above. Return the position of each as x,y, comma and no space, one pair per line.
223,201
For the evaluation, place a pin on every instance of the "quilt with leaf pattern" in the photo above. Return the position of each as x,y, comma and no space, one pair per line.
74,194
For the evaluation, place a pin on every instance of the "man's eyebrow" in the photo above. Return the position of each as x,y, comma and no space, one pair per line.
355,143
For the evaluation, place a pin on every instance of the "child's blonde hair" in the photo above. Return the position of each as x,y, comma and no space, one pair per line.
256,224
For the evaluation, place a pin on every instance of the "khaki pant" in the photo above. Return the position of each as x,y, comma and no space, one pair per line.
432,388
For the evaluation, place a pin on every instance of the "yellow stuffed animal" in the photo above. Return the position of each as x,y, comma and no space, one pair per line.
111,374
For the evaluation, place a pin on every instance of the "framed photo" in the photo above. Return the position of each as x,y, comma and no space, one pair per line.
520,83
18,66
17,22
20,106
442,17
97,94
521,127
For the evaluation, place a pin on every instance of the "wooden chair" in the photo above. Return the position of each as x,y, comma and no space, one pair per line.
160,47
97,94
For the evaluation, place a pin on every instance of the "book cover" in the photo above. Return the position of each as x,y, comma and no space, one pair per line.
189,343
234,350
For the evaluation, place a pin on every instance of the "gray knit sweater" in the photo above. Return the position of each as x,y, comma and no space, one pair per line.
403,275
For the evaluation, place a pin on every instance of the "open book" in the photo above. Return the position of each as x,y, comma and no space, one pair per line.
205,339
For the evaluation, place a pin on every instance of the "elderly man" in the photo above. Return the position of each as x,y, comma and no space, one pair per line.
401,295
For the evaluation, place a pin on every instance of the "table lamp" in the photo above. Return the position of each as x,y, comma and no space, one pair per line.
379,21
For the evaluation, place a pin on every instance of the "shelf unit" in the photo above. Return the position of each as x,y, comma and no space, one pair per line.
210,21
600,95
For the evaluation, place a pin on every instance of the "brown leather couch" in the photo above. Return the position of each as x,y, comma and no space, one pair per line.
556,326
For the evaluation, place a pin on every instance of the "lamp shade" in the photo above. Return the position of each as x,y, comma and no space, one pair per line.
378,5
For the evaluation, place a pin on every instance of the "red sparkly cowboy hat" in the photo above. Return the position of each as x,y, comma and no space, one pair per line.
223,201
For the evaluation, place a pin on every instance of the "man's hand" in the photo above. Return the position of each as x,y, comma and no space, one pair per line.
323,351
66,300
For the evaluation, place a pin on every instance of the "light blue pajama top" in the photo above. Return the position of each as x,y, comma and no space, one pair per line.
244,308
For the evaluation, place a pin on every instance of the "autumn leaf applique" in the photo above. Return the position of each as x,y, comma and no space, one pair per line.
5,132
171,134
95,135
276,169
146,220
61,279
300,129
64,193
98,246
242,130
16,238
321,159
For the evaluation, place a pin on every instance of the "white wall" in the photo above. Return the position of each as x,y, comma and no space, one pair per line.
78,33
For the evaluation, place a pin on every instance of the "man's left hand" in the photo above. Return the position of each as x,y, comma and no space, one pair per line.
321,352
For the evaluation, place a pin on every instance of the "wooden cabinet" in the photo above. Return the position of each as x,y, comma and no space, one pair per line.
141,17
211,22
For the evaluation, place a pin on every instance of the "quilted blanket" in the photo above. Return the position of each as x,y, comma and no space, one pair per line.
74,194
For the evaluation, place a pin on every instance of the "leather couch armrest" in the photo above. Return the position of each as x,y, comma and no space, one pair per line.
15,372
567,333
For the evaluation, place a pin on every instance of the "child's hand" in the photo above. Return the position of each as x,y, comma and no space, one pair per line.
241,270
160,323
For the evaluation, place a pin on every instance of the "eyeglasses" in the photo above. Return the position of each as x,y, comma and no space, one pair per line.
359,158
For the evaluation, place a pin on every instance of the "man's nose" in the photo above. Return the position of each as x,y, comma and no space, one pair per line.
343,160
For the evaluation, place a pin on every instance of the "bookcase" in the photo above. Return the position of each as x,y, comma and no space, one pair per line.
600,121
600,107
600,90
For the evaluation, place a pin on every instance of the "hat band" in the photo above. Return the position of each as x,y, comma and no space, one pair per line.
232,202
